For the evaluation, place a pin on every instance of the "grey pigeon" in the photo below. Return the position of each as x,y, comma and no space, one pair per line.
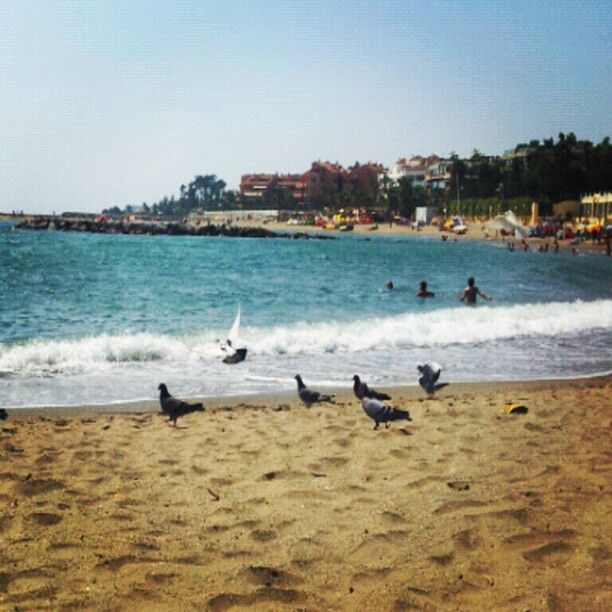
362,390
430,372
174,407
310,397
380,413
3,414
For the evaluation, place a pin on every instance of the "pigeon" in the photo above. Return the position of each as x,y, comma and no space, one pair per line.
380,413
175,407
310,397
430,372
362,390
3,414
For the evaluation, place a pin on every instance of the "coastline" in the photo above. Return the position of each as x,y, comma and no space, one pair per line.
411,393
476,231
261,502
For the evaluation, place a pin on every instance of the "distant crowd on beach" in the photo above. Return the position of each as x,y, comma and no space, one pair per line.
557,229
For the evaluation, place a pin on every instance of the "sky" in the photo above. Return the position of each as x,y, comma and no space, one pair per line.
115,103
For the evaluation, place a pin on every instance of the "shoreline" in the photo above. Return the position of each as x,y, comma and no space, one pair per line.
258,229
475,232
412,393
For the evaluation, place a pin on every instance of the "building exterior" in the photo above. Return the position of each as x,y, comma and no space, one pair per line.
439,175
323,181
597,206
293,184
253,186
324,184
415,168
258,189
363,178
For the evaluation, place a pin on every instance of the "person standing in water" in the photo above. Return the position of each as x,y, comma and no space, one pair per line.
471,291
422,292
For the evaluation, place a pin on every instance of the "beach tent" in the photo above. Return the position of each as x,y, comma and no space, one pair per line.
509,223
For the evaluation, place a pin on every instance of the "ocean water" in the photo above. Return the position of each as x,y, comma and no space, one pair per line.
92,319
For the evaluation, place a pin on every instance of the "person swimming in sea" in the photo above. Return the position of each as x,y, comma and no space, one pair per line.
471,291
389,285
422,292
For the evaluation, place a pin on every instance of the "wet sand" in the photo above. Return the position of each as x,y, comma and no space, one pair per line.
260,502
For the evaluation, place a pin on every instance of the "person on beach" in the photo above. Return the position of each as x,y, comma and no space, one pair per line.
471,291
422,292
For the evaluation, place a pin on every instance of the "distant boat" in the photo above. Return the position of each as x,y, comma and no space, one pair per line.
235,355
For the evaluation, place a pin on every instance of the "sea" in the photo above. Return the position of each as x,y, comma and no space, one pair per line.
89,319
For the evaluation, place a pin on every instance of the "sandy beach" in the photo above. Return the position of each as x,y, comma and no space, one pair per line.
260,502
476,231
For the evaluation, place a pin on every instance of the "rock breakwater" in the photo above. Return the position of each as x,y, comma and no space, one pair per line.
155,228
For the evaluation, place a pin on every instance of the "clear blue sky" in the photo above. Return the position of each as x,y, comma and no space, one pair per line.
105,103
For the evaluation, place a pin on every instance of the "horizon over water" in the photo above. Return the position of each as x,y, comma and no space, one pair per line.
100,319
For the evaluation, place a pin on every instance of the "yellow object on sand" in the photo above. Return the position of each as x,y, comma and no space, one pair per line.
514,409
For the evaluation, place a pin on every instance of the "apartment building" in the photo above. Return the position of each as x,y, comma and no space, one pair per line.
416,169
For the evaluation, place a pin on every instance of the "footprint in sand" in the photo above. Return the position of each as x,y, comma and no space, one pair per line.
335,461
544,552
33,487
262,575
442,559
459,485
459,505
263,595
45,518
263,535
467,539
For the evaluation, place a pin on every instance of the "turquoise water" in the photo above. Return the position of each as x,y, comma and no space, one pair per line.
87,318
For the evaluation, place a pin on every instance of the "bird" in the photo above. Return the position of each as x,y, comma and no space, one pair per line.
3,414
310,397
361,389
430,372
174,407
380,413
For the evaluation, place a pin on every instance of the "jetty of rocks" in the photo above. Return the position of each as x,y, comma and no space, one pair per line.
155,228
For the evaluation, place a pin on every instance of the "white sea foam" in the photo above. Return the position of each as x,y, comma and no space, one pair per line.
457,326
441,327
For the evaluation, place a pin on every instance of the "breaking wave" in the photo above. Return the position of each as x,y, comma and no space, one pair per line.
437,328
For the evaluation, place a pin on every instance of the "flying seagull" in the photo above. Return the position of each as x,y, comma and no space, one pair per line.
174,407
362,390
310,397
380,413
430,372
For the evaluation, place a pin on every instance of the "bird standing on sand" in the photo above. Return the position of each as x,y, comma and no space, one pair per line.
3,414
430,372
380,413
310,397
362,390
174,407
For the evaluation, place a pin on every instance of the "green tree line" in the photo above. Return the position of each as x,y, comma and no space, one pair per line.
544,171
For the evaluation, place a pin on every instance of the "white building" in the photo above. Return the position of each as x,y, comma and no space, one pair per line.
416,169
